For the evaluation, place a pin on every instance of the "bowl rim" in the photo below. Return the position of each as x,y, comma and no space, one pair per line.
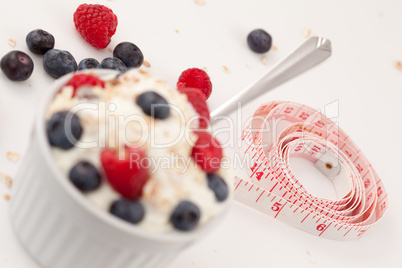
127,228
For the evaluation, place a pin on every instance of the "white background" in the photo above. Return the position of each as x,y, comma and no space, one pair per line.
361,75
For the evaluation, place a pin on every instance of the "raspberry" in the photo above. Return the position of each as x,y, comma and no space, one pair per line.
127,176
79,80
196,98
195,78
96,24
207,152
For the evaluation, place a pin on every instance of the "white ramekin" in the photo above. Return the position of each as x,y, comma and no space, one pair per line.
61,229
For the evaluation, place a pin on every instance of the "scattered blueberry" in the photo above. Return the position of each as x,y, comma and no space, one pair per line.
39,41
89,63
114,64
185,216
85,176
17,65
129,53
259,41
218,186
64,130
153,105
131,211
59,62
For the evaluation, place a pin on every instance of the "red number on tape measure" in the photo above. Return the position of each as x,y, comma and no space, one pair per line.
320,124
318,134
304,116
259,175
298,148
276,206
253,167
288,110
379,190
321,227
335,133
349,154
359,168
331,218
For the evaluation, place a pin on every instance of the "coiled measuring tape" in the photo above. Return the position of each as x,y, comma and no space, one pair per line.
280,130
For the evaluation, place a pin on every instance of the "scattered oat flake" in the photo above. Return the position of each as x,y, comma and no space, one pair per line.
13,156
225,68
6,196
264,60
177,30
110,49
200,2
274,48
308,252
7,180
307,33
160,81
313,260
142,71
205,68
11,42
146,64
398,65
248,66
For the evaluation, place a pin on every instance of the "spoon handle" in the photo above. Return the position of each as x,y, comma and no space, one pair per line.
313,51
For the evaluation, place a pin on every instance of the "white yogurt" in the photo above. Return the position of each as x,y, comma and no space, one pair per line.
112,118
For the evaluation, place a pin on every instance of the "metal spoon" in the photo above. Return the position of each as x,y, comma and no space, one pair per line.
312,52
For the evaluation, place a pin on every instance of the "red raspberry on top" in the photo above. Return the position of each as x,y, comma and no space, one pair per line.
196,98
195,78
96,24
127,176
79,80
207,152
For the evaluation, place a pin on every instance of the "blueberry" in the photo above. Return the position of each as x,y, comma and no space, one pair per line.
114,64
64,130
17,65
39,41
131,211
218,186
89,63
129,53
259,41
85,176
185,216
153,105
59,62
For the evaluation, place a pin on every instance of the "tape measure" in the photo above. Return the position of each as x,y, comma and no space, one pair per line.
281,130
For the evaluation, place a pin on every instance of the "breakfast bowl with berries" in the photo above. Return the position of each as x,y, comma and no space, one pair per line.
121,171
